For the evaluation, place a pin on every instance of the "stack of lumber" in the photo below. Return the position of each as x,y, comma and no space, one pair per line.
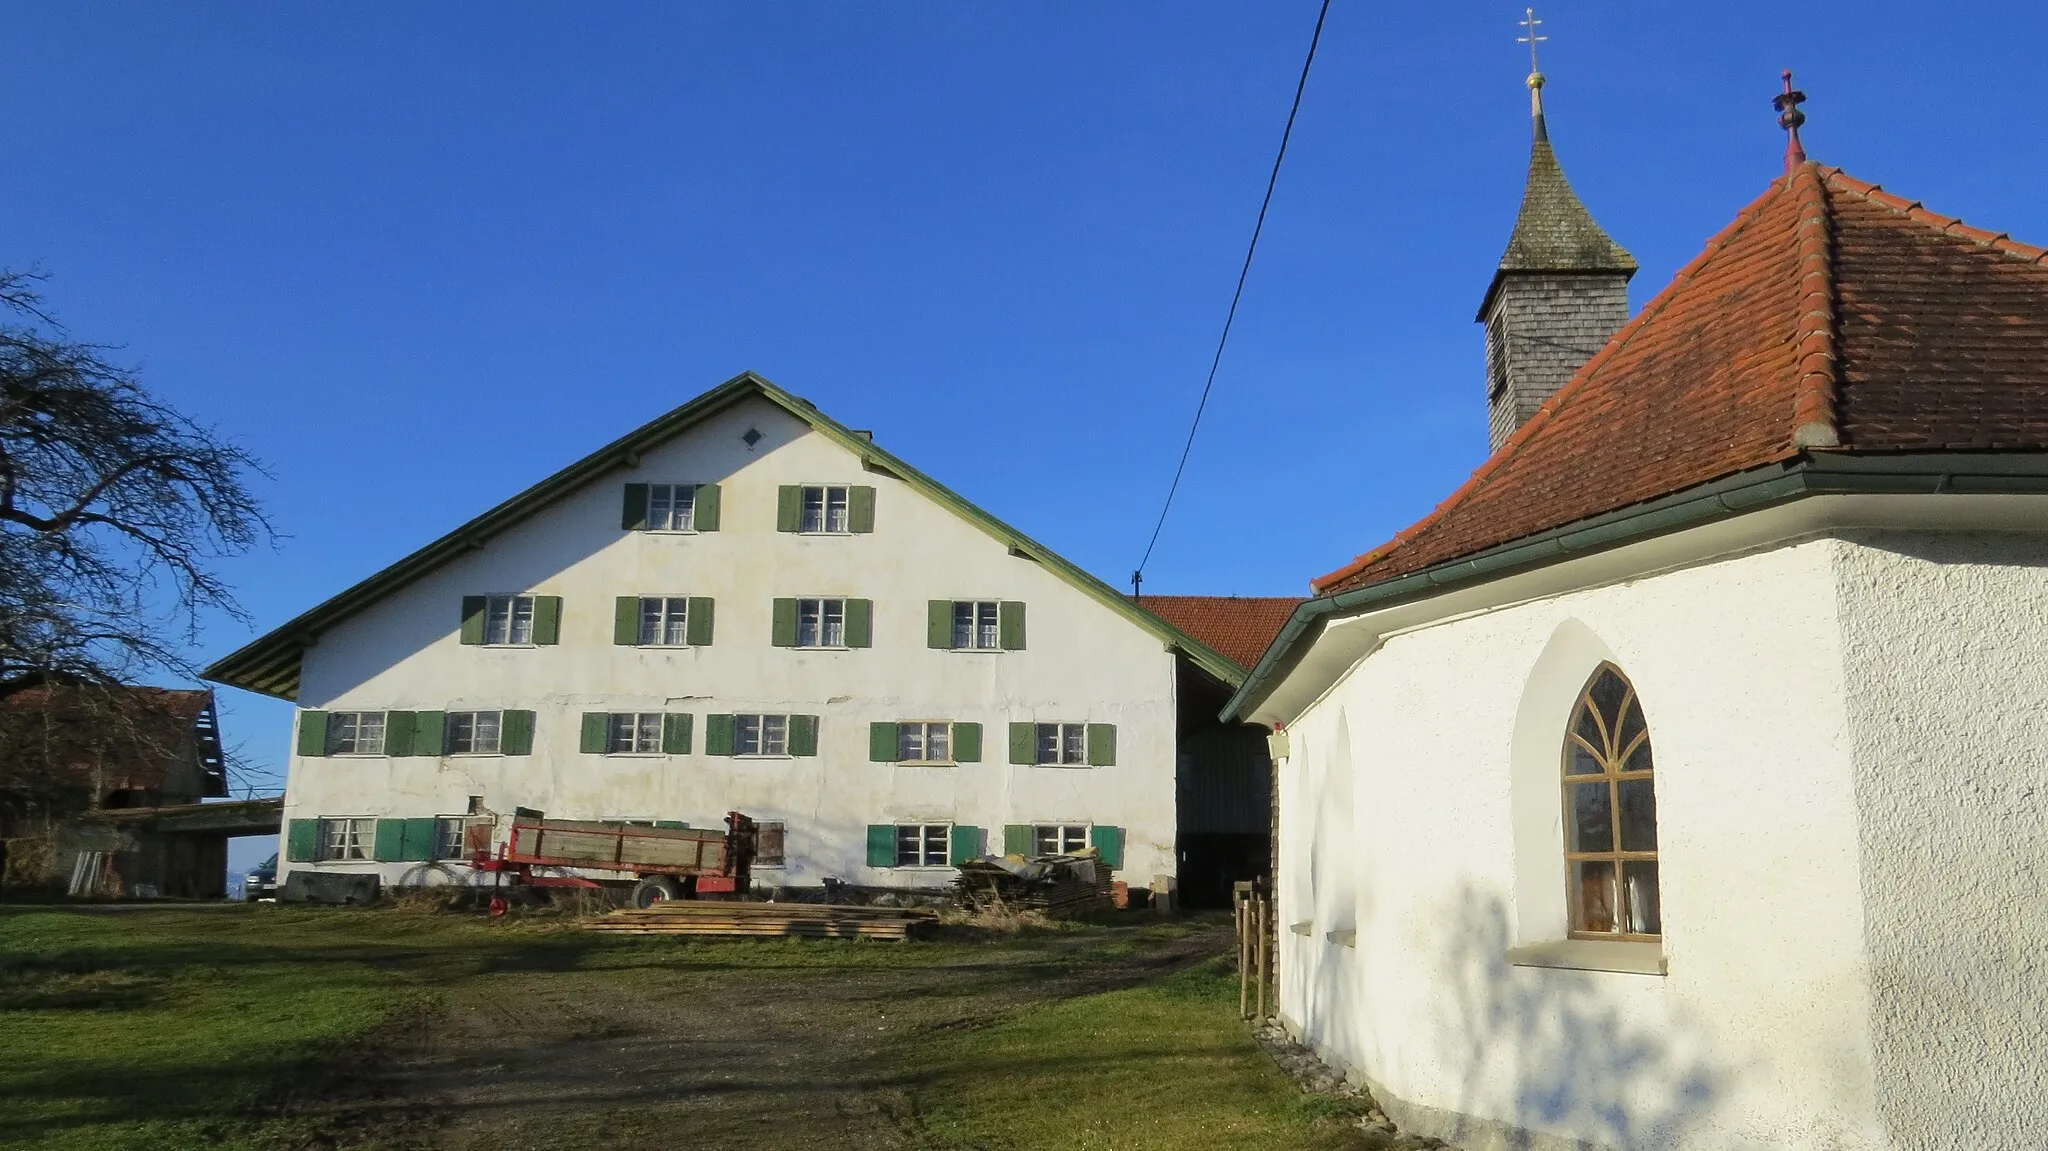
766,920
1056,885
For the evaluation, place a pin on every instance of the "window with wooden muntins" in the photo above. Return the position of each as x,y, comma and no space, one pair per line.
1610,814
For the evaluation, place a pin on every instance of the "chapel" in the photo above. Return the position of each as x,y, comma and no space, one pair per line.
1681,780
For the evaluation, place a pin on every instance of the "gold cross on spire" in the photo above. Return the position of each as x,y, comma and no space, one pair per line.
1531,23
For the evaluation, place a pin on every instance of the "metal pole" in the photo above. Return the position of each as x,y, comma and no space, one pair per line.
1244,955
1265,955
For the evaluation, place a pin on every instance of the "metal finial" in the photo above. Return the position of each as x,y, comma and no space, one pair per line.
1790,118
1530,23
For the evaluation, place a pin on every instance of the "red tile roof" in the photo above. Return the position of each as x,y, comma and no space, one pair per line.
1238,627
1829,316
124,737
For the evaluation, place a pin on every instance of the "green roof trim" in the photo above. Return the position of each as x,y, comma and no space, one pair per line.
1816,474
270,664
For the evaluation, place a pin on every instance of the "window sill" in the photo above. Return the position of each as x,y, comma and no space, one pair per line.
664,646
820,647
757,755
1346,938
667,531
1626,957
978,650
1304,928
821,534
471,755
506,646
1066,766
638,754
927,763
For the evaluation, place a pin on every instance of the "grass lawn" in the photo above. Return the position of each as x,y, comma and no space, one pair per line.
200,1027
1168,1065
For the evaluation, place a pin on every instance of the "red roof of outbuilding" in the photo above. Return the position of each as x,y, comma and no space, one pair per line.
1830,315
1239,627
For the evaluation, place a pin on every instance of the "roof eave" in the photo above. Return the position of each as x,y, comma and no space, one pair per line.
2023,472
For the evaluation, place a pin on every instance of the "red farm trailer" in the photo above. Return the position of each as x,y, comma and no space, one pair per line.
663,862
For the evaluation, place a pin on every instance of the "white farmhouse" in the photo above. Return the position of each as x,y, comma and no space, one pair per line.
1682,780
744,605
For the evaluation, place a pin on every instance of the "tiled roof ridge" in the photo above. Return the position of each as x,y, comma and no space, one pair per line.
1572,387
1838,180
1814,423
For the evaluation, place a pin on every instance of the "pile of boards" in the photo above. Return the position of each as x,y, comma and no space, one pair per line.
1056,885
729,918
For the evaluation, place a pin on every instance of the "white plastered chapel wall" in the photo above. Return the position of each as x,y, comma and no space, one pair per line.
1945,644
1082,663
1759,1034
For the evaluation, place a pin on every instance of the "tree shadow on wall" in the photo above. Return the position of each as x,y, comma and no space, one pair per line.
1579,1067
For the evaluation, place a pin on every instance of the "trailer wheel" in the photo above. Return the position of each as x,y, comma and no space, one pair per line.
652,890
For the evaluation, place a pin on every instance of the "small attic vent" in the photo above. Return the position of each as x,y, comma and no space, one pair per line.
751,437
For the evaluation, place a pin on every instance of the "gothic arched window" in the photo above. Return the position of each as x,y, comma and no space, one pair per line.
1610,814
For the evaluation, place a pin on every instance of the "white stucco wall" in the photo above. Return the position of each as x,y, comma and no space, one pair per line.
1759,1034
1945,644
1082,663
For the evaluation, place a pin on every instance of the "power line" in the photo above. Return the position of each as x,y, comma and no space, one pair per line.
1138,575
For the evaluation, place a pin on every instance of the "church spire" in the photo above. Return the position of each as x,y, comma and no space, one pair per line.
1561,288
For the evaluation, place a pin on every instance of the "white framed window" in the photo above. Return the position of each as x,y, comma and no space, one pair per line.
508,619
825,510
633,733
355,733
450,835
769,842
760,735
1058,838
671,507
664,621
821,623
474,732
345,839
1062,743
921,742
923,844
976,625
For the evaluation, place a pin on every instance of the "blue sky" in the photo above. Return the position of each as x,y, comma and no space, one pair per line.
418,256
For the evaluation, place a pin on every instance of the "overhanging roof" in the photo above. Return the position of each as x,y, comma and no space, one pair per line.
270,665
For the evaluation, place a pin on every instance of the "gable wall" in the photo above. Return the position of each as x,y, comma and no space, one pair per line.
1945,645
1082,663
1757,1035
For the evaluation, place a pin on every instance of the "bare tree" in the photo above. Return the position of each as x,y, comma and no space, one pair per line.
113,509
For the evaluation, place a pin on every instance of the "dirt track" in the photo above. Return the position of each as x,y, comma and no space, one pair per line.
660,1047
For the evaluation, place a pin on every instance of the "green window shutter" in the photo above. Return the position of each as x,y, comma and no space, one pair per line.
1102,744
547,619
803,735
594,725
302,841
515,733
789,508
782,628
966,844
860,510
704,513
966,743
398,733
418,844
881,742
626,620
1016,839
429,732
472,619
1023,743
938,624
1010,625
697,627
312,733
675,733
860,623
389,845
881,845
1110,842
634,517
718,735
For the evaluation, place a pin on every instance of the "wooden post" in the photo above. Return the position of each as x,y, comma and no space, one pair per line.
1242,906
1266,971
